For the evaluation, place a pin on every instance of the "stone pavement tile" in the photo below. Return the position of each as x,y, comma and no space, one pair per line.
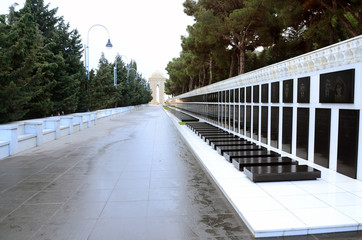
34,212
167,208
135,174
131,194
6,209
23,229
130,228
124,210
91,195
173,227
51,197
127,184
31,185
62,184
79,210
222,226
156,194
26,220
13,195
65,230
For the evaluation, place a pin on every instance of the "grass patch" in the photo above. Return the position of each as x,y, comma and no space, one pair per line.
182,123
166,108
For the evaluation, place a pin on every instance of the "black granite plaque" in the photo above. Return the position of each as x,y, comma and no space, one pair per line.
242,95
248,94
256,122
256,93
337,87
226,116
303,90
236,118
348,142
274,127
242,119
288,91
275,92
264,124
264,93
248,121
232,118
287,129
322,137
302,132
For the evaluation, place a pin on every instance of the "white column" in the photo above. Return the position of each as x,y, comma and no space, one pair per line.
67,121
10,133
53,123
35,128
78,118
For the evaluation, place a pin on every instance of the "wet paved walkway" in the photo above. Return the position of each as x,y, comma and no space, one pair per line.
128,178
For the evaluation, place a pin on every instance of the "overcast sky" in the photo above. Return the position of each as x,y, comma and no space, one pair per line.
147,31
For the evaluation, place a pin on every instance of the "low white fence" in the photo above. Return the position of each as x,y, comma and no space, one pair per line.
20,136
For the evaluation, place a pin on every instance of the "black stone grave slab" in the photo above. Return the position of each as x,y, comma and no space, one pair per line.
202,129
245,147
206,133
281,173
240,163
217,135
215,144
249,154
209,140
199,125
183,117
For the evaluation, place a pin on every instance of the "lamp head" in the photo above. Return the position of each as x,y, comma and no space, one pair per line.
109,44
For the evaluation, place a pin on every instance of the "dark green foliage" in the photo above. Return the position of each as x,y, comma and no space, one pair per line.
41,72
131,88
223,40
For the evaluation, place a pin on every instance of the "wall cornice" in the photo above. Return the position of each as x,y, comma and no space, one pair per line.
343,53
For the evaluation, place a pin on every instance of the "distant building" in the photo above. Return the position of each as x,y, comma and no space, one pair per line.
157,84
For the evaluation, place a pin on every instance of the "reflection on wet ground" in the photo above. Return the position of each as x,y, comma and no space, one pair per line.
128,178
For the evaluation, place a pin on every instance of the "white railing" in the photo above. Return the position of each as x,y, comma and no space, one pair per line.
20,136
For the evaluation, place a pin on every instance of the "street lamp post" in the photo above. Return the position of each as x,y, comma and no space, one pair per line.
86,49
130,68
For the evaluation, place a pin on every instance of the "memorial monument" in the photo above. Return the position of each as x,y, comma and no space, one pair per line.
157,84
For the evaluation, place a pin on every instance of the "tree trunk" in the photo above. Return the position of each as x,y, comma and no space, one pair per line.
210,70
191,82
204,77
331,33
241,59
232,64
